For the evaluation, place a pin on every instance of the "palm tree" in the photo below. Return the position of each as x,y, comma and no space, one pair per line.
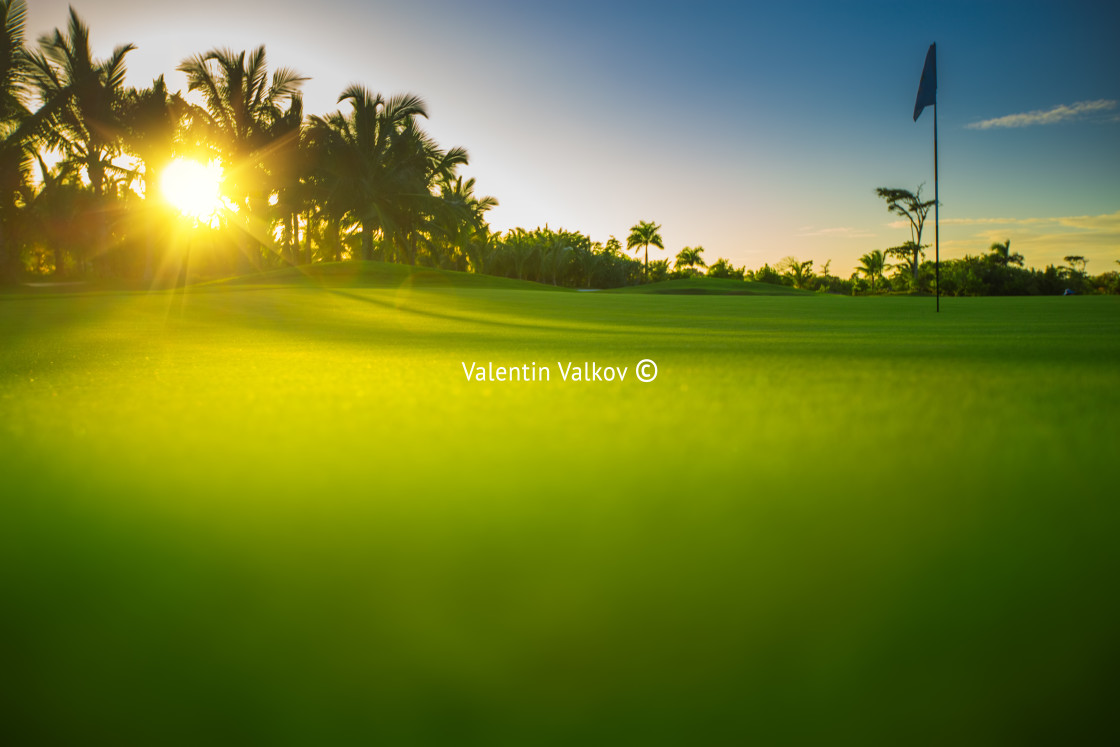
586,262
724,269
321,186
1076,262
872,265
242,109
644,234
658,270
286,163
554,253
369,160
150,120
55,212
462,220
1001,254
13,61
86,125
83,98
911,206
14,154
690,258
798,272
422,164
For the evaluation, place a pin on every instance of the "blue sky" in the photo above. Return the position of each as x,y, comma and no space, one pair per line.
755,130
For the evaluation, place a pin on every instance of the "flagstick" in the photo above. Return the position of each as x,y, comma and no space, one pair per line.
936,218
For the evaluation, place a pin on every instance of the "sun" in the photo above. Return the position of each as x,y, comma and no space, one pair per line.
193,188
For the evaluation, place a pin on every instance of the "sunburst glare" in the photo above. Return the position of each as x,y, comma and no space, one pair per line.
194,188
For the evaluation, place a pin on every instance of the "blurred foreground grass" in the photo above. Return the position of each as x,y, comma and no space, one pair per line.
282,515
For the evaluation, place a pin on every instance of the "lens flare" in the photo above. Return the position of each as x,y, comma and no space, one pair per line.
193,188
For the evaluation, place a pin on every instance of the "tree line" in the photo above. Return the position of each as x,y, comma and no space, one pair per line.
364,182
998,272
79,168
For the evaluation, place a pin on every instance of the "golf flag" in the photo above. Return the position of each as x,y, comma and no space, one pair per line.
927,96
927,89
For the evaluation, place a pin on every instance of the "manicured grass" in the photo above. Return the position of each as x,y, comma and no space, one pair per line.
377,275
713,287
282,515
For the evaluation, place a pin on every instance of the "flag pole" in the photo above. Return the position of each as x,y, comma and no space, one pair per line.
936,219
927,96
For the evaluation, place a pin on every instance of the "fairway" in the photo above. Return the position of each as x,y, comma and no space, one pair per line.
281,513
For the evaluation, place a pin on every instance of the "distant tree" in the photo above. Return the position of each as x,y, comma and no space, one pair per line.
722,268
827,281
584,262
1001,254
151,121
565,258
688,259
911,206
426,164
286,164
362,159
872,265
767,274
799,273
86,126
1076,262
907,255
613,246
15,140
515,251
84,96
554,255
657,270
644,234
13,64
54,219
463,223
241,119
1108,282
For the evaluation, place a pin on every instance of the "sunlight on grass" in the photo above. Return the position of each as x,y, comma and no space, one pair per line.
821,505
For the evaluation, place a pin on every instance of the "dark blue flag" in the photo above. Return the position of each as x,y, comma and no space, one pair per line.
927,89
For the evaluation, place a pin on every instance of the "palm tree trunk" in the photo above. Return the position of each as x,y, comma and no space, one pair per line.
367,241
149,246
285,246
334,227
295,238
59,261
296,254
914,266
307,238
7,265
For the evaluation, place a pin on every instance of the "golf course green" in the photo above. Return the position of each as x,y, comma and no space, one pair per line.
281,511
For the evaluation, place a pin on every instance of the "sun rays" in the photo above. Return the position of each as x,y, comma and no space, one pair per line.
194,189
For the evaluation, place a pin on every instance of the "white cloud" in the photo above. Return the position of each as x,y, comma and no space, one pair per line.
1108,222
996,221
1042,241
846,232
1060,113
